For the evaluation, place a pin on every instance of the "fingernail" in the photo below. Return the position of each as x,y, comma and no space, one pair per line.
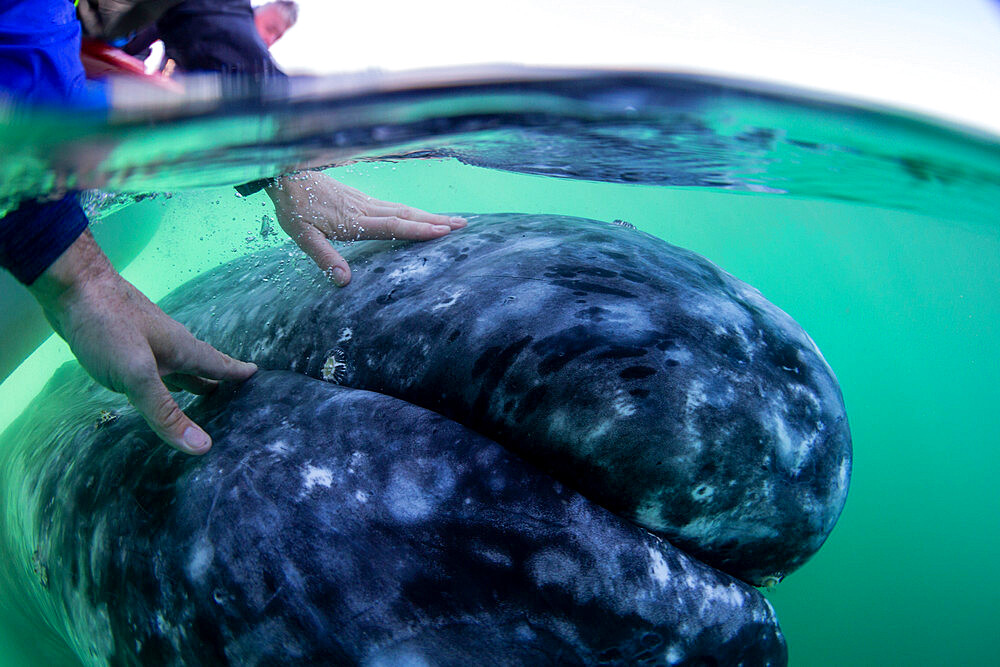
340,275
196,441
442,228
458,221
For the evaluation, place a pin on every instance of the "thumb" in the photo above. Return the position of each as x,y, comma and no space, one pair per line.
151,398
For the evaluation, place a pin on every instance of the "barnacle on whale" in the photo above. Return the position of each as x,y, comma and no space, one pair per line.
334,366
105,417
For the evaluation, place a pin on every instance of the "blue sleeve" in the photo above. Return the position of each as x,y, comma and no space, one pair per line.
33,235
40,55
40,65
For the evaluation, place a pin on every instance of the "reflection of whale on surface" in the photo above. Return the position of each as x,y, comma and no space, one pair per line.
335,523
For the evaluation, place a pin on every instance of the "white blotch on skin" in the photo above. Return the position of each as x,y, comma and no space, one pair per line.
793,448
842,475
600,430
658,567
449,301
681,355
764,614
538,243
162,625
633,315
313,476
345,335
412,270
408,499
200,559
650,515
695,397
280,447
729,595
357,460
361,496
724,314
623,406
395,657
694,400
559,422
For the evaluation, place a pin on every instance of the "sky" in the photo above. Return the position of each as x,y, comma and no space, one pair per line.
929,56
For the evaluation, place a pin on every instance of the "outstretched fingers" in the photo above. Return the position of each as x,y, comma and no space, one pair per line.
403,212
394,227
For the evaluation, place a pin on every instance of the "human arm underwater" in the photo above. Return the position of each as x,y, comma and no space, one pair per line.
124,341
128,344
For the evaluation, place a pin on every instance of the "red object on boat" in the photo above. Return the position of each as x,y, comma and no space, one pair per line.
101,60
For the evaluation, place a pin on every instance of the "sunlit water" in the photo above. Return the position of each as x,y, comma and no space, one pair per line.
879,233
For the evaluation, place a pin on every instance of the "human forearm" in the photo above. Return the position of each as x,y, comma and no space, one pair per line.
77,267
128,344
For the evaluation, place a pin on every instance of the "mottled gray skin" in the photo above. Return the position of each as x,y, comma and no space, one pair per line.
336,526
635,372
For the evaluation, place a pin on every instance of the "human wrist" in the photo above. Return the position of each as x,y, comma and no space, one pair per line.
275,189
80,266
289,187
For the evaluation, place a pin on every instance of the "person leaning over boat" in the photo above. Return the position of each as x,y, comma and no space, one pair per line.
272,19
121,338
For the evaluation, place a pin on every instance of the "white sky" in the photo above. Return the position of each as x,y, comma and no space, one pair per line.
934,56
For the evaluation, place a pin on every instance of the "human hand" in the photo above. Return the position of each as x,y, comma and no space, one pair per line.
129,345
312,208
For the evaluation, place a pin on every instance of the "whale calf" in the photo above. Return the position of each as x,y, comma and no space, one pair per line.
338,526
633,371
536,440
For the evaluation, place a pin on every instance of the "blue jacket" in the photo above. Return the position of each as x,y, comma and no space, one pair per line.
40,55
40,65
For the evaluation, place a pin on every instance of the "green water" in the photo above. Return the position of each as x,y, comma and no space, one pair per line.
904,307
